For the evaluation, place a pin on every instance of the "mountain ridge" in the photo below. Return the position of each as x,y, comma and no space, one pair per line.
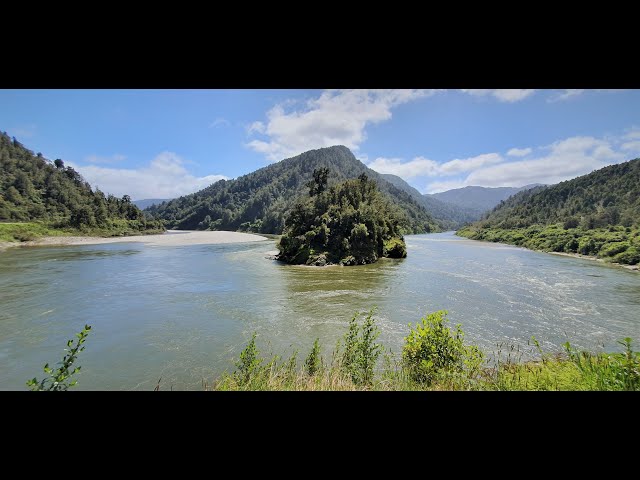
259,201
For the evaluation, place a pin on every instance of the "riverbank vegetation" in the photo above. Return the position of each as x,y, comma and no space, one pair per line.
617,244
434,357
596,214
39,197
350,223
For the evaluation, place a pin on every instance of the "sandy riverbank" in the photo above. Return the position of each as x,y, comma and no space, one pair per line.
173,238
635,268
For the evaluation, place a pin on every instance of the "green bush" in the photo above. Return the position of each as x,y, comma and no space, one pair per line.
630,256
431,349
249,362
360,349
611,249
395,248
313,361
586,246
59,379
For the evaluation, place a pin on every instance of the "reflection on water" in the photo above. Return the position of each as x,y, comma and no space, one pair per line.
183,313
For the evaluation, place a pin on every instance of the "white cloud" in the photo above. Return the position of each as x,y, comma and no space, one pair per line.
566,94
421,166
415,168
456,166
633,146
519,152
99,159
219,122
336,117
164,177
503,94
257,127
567,159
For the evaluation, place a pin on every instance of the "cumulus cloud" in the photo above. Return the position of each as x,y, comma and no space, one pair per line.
519,152
509,95
336,117
100,159
219,122
566,94
164,177
417,167
565,159
421,166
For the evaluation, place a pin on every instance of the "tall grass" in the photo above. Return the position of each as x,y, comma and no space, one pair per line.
433,358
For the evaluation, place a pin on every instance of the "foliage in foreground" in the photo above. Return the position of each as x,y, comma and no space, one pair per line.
433,358
60,378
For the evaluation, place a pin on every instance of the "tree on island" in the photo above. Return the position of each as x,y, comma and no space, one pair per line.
350,223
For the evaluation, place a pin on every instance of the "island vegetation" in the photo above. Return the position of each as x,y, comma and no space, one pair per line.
350,223
39,197
596,215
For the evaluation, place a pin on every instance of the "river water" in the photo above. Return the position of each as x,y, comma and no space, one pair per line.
183,314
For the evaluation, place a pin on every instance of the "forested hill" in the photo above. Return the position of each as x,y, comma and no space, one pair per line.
609,196
597,214
448,216
33,188
260,201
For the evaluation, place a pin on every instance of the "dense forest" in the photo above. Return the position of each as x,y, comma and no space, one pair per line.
448,216
350,223
33,188
260,201
596,214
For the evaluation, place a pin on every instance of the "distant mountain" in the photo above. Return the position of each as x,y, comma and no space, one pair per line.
260,201
32,188
609,196
147,202
449,216
479,199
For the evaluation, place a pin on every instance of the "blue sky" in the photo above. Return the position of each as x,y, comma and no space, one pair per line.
166,143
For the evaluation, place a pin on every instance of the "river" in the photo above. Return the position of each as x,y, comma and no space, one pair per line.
183,314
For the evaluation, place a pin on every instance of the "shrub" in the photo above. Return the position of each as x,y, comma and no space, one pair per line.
395,248
58,379
249,362
631,256
313,361
360,350
431,350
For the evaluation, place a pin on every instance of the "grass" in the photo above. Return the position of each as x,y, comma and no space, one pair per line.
571,369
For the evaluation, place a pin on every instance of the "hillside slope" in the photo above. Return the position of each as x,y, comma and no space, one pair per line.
596,214
260,201
448,216
34,189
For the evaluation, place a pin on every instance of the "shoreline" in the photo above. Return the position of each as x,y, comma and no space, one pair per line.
172,238
633,268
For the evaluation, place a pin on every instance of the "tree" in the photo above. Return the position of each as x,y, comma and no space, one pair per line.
319,182
58,163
